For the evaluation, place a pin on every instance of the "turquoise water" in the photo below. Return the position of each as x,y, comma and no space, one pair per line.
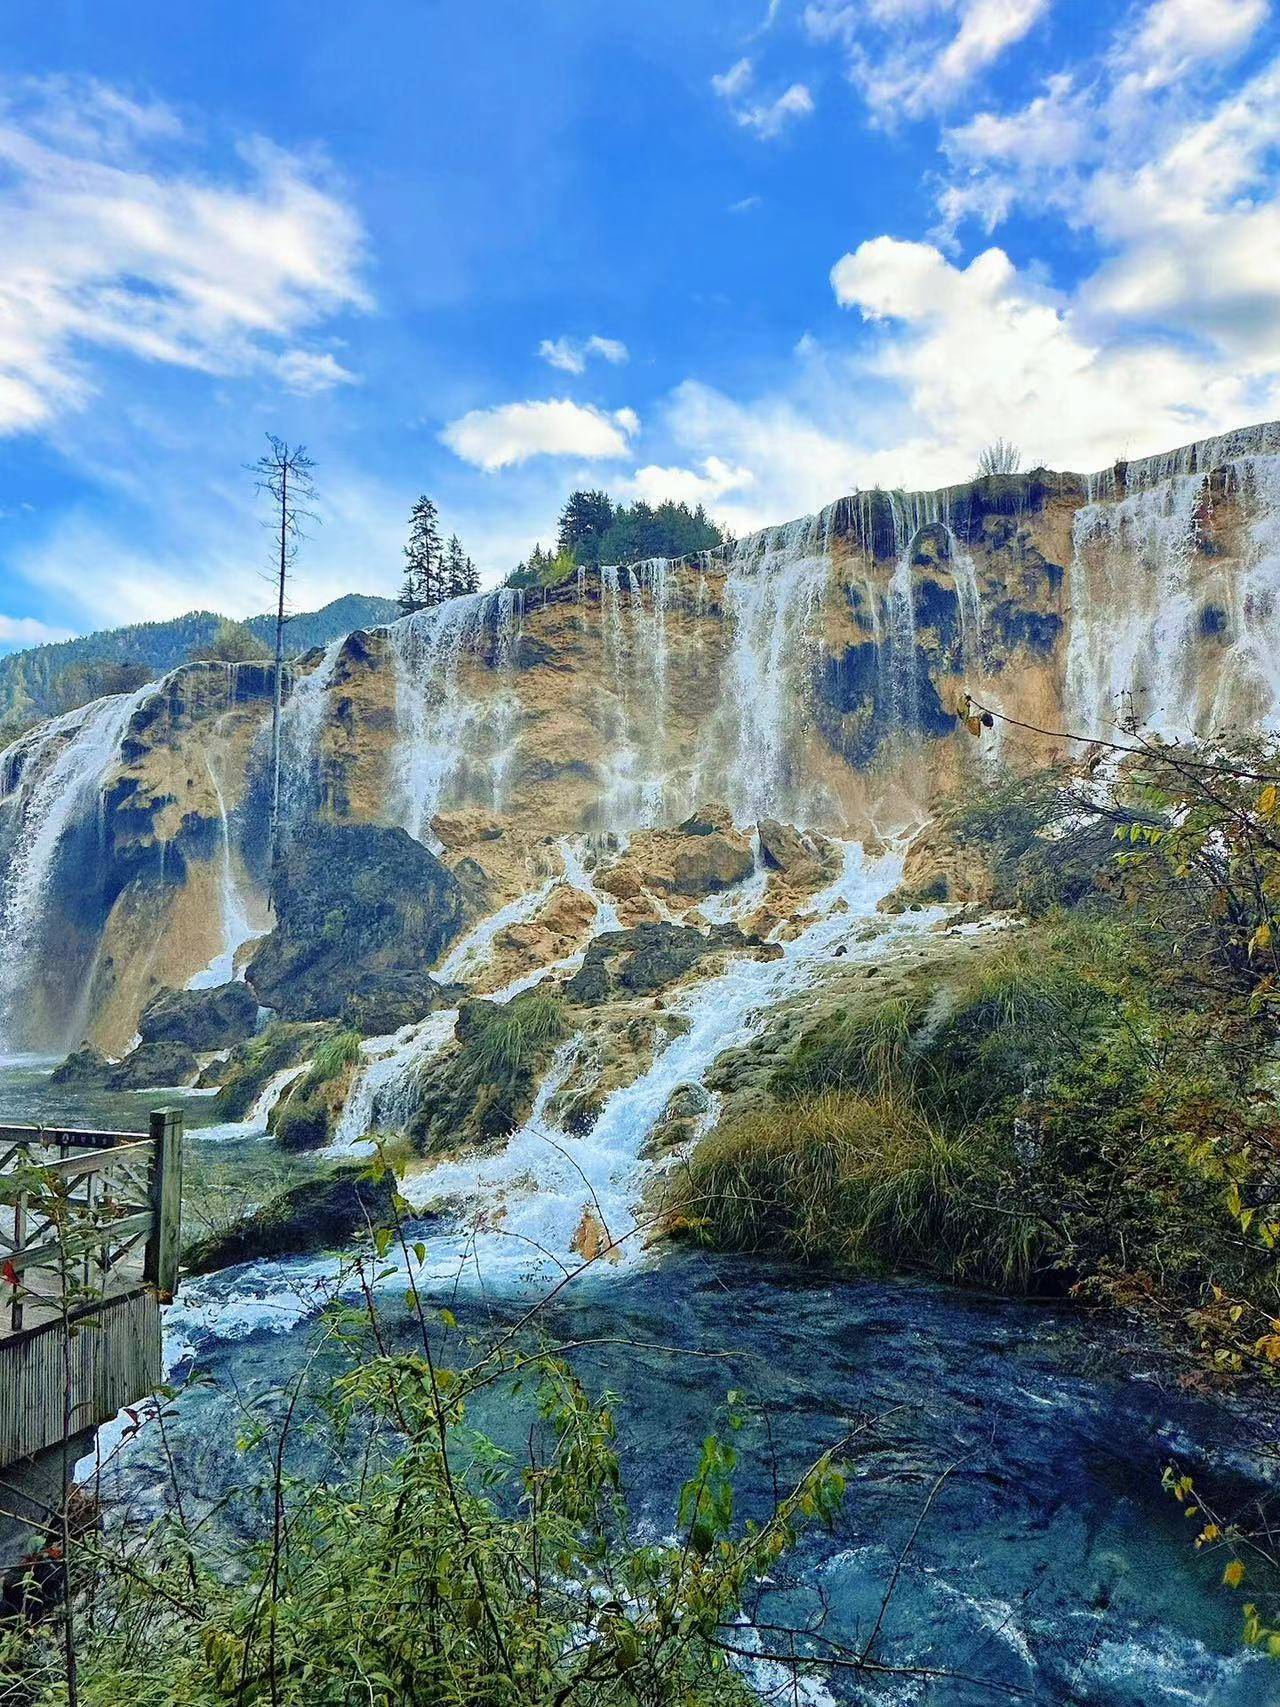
1050,1564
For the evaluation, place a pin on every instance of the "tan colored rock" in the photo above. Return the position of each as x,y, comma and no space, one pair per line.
567,911
621,882
463,828
938,869
706,864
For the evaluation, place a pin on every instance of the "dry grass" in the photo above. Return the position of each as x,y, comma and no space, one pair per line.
859,1181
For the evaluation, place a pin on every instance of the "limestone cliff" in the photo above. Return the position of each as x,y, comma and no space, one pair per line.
809,677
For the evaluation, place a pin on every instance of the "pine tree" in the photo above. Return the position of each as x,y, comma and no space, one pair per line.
423,580
471,576
454,574
584,521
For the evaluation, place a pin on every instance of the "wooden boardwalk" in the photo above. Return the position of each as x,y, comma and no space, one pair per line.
89,1244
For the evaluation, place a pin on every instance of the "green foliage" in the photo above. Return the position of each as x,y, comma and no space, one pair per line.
544,569
233,643
507,1039
333,1057
862,1181
594,530
430,1568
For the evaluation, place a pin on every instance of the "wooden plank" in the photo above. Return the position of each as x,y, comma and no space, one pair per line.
49,1254
63,1137
163,1248
113,1364
99,1161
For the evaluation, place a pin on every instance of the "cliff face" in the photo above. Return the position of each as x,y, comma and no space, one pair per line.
811,676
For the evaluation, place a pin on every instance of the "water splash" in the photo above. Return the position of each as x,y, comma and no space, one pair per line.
302,722
254,1124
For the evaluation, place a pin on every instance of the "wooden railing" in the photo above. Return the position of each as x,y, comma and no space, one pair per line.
89,1243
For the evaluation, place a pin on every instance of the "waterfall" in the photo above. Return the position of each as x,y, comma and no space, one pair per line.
55,776
254,1124
545,1179
774,597
237,927
638,788
302,722
1149,602
436,713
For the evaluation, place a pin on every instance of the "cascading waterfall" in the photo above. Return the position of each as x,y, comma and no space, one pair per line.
1149,605
774,594
436,714
237,927
302,721
55,776
634,603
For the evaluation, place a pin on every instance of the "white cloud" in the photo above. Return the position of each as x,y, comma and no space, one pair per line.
571,356
706,484
983,350
1173,37
28,631
768,119
108,240
512,433
910,57
735,81
748,204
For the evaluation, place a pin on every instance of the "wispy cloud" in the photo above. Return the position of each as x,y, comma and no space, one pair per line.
748,204
911,57
114,234
512,433
27,631
767,118
571,355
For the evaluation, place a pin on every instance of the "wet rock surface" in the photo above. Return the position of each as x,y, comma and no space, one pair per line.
201,1019
354,902
311,1216
641,961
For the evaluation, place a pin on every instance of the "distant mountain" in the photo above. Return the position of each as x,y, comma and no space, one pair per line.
45,680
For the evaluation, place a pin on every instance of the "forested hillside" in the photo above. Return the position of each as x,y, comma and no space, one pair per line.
45,680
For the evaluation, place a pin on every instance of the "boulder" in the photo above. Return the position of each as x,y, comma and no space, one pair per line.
154,1064
709,863
382,1002
352,900
201,1019
567,911
784,849
244,1075
84,1066
641,961
312,1216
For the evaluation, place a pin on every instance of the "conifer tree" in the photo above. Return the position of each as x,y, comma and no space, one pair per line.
454,574
423,580
471,576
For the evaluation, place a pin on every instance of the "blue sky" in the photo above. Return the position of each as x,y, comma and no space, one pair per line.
749,253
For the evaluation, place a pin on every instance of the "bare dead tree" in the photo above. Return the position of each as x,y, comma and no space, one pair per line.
284,473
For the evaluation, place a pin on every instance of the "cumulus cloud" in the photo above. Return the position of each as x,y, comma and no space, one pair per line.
111,238
571,355
512,433
28,631
909,57
705,484
767,118
984,350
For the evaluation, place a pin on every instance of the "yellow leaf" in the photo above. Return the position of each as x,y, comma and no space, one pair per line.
1233,1576
1267,800
973,725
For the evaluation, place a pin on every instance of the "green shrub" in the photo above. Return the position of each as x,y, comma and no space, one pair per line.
866,1182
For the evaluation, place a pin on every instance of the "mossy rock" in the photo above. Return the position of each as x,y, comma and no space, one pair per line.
315,1215
245,1072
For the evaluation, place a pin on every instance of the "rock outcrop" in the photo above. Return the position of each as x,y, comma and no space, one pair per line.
200,1019
357,905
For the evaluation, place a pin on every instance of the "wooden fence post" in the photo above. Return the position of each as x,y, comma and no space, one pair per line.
160,1265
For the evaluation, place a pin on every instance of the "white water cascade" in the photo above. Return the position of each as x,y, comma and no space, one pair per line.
54,779
302,721
519,1212
439,719
237,927
639,789
774,596
1159,632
